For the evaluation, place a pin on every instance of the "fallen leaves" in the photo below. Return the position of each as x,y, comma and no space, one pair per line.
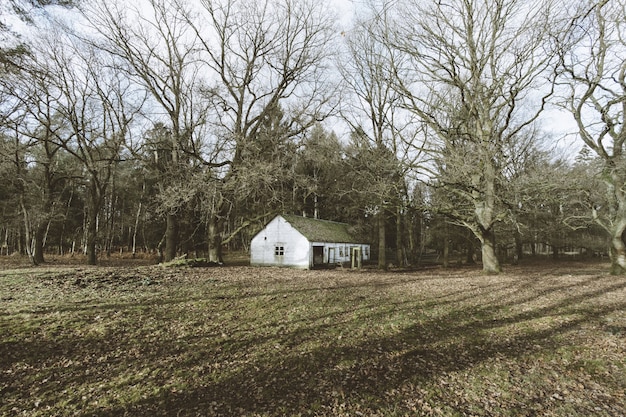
264,342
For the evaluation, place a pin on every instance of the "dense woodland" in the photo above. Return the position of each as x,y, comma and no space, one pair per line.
180,127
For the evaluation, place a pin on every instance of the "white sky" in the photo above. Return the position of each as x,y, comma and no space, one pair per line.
558,122
555,121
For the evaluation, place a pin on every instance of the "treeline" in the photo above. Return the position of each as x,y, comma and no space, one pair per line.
182,127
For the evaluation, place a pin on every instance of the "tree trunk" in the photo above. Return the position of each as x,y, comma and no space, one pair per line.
134,239
470,248
93,209
215,240
39,234
484,208
41,230
27,232
618,250
382,244
92,232
411,235
171,237
446,251
399,246
519,248
491,265
555,241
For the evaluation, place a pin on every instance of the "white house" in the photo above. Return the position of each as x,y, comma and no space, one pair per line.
302,242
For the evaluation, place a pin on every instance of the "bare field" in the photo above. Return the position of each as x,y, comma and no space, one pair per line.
543,340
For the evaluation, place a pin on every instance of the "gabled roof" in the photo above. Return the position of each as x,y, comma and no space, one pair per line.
316,230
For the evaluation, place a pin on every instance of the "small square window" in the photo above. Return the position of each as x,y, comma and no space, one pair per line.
279,250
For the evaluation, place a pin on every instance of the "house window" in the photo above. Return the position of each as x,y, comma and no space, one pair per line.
340,252
279,250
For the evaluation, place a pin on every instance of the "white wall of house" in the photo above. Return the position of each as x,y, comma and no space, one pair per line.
279,244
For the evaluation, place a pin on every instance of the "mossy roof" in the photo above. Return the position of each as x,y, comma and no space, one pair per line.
316,230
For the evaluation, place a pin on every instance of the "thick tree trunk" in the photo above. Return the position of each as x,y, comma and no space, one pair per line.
382,244
446,251
38,244
484,209
555,251
618,250
215,240
491,264
171,237
616,226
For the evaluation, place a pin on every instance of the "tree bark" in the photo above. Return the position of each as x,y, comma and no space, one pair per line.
485,205
27,231
412,245
555,251
96,201
135,229
446,251
617,250
519,247
92,232
215,240
471,248
382,244
491,264
399,245
38,245
171,236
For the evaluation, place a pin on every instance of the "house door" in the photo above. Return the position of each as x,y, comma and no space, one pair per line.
318,255
331,256
356,257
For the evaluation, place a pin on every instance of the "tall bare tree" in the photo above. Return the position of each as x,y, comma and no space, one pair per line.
158,50
375,112
594,76
476,73
264,55
97,104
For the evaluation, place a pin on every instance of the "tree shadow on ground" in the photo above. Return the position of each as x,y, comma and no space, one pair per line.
315,367
367,376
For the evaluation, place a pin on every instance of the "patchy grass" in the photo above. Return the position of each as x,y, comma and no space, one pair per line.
145,341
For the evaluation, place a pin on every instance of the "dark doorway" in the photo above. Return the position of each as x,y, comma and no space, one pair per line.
318,255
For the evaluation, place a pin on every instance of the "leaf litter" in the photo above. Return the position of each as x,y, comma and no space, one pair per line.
147,340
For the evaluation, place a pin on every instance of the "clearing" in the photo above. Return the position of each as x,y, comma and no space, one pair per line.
546,340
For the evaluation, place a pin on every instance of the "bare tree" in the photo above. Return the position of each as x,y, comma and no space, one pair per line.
594,76
375,113
96,104
476,75
158,50
264,56
38,124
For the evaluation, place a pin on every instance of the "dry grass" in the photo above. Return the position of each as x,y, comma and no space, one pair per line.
144,341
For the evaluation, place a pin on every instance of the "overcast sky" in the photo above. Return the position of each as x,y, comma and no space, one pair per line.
560,123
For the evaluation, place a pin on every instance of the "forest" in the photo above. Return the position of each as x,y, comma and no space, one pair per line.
174,128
